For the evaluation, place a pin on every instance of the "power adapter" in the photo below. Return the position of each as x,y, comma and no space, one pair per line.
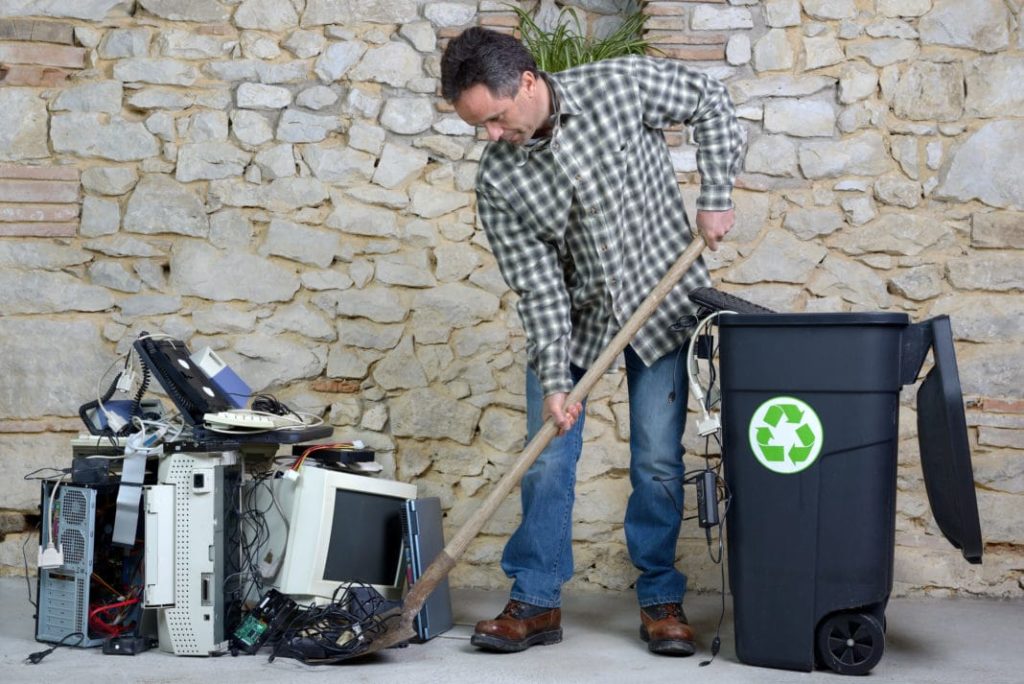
707,499
126,645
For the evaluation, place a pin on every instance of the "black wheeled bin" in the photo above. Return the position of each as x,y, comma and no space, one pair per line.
810,408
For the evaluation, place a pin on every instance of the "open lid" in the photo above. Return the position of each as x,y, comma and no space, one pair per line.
945,453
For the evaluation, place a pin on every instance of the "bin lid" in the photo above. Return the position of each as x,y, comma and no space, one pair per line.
830,318
945,452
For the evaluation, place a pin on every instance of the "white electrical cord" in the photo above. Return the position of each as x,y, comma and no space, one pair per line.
707,424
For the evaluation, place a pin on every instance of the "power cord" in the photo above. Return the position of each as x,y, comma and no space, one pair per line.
37,657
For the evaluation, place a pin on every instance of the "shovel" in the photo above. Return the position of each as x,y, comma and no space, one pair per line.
402,630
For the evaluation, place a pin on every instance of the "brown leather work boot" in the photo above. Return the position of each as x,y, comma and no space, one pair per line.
519,626
664,629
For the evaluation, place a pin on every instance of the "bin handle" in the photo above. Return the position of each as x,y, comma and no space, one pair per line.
917,340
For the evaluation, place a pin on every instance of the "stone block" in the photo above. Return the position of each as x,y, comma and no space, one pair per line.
24,453
854,282
780,257
126,42
266,15
884,51
800,118
986,167
930,90
320,12
201,270
159,204
708,18
23,125
772,51
901,234
982,25
300,243
859,155
155,70
428,413
830,9
995,272
206,11
99,217
998,230
89,135
992,86
97,96
109,180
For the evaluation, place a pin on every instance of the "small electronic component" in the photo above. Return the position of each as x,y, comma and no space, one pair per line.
263,621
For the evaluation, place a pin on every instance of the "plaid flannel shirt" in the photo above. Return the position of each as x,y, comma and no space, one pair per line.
585,223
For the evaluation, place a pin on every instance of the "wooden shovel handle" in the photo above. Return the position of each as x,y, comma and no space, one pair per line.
445,560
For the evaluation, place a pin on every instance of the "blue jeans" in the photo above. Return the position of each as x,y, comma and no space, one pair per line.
538,556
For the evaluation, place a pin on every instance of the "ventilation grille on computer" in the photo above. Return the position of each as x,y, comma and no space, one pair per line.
73,506
73,545
179,618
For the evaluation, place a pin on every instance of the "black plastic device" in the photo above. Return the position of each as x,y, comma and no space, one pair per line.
716,300
127,645
186,384
707,499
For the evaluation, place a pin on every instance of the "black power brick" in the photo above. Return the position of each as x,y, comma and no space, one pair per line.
707,499
126,645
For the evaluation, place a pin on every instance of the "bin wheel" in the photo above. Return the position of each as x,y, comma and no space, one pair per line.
851,643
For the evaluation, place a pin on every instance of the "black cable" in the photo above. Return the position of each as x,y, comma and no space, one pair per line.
268,403
341,629
24,556
35,658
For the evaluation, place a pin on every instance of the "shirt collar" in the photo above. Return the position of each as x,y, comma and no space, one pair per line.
562,103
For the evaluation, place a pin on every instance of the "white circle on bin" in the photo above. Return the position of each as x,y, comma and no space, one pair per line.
786,435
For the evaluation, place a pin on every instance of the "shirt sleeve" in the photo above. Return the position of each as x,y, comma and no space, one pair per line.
532,268
672,93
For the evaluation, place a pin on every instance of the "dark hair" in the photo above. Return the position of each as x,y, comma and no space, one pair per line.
479,55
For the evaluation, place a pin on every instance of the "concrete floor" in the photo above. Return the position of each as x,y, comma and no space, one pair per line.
934,641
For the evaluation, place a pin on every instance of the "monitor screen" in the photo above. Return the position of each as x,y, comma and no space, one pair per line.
365,539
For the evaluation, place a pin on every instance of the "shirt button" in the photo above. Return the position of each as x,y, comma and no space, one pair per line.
579,177
592,211
554,146
604,247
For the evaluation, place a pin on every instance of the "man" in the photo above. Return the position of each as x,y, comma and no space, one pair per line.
578,196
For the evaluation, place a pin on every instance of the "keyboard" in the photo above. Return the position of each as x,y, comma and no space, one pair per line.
250,420
715,300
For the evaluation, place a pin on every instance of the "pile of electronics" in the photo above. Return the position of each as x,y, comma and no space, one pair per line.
221,524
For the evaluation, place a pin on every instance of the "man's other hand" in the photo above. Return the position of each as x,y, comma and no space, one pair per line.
564,416
713,225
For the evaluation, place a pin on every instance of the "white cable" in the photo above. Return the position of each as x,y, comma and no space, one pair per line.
706,424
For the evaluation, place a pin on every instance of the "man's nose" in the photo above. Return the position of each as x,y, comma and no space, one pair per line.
494,131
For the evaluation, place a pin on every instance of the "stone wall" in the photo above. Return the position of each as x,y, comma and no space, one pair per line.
278,180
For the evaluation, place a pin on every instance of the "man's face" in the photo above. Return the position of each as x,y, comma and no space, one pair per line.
512,119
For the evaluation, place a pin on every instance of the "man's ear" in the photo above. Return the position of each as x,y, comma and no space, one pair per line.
528,83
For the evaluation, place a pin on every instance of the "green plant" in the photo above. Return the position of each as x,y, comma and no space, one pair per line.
562,47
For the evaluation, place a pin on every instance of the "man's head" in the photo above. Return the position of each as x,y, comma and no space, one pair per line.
492,80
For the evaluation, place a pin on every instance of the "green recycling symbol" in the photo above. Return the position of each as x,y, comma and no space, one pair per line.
786,435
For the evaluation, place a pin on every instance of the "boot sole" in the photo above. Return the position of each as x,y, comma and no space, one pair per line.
499,645
671,647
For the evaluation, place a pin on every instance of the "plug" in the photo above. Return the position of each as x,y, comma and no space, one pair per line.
270,565
291,475
125,380
114,421
50,557
708,425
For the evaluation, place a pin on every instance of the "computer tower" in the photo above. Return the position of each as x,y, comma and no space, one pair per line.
64,592
193,551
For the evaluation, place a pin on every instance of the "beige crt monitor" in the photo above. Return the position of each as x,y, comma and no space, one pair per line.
328,529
